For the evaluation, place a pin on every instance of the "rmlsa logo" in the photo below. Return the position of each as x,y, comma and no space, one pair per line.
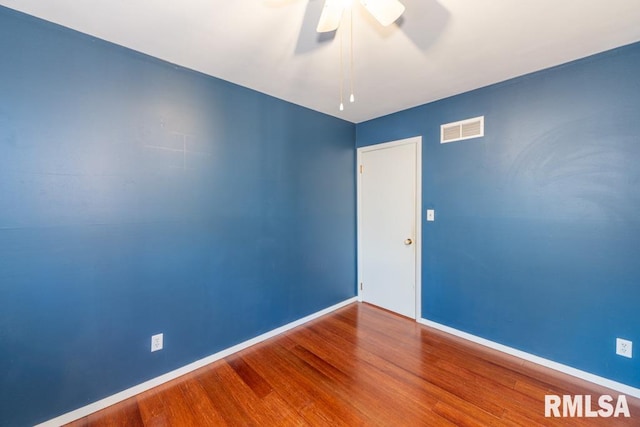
580,406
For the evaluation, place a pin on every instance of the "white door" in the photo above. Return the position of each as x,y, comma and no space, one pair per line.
388,231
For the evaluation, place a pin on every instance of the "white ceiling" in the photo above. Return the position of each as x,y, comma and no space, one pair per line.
437,49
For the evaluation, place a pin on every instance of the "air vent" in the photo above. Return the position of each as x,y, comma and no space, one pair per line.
464,129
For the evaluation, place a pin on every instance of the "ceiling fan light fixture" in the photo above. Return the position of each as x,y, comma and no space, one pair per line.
331,16
386,12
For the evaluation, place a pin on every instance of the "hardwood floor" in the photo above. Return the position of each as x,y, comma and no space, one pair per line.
360,366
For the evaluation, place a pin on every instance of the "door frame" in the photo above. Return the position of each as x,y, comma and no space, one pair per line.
417,141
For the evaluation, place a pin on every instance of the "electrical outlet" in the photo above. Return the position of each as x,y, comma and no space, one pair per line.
624,347
156,342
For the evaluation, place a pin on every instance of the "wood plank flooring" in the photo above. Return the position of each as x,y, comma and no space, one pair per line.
360,366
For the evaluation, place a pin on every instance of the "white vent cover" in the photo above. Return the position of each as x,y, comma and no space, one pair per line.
464,129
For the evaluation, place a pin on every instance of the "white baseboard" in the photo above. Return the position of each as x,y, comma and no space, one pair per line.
605,382
130,392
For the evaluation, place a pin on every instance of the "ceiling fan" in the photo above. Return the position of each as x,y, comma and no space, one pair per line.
384,11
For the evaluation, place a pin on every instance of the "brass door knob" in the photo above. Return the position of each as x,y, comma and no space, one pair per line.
408,242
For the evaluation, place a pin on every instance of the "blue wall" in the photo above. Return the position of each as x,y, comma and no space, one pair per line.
111,232
536,243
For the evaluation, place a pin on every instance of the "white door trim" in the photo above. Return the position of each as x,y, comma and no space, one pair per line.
417,141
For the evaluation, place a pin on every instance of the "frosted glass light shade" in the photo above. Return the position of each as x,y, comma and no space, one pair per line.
331,16
385,11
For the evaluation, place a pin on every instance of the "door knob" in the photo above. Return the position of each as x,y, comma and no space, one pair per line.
408,242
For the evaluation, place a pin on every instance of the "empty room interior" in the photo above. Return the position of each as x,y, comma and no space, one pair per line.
309,212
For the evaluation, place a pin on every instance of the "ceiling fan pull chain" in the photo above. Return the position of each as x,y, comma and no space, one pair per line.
341,72
352,97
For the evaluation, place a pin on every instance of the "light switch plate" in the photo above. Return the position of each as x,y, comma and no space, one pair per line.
431,215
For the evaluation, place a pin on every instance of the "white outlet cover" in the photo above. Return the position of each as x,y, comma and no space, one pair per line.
624,347
157,342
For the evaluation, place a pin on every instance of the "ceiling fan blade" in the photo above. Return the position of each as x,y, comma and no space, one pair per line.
385,11
331,16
